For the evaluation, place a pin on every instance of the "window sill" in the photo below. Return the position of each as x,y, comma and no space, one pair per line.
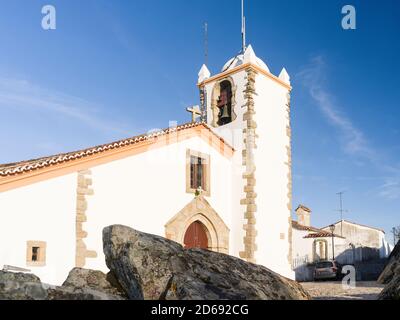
203,193
36,264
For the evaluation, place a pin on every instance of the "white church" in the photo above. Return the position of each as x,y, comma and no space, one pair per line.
222,182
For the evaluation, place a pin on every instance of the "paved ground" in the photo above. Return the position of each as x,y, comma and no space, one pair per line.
335,291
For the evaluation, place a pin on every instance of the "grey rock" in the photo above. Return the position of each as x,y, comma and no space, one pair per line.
154,268
393,266
92,279
391,290
71,293
391,277
21,286
84,284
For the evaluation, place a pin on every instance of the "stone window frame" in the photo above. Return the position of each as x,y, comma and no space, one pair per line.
41,261
192,153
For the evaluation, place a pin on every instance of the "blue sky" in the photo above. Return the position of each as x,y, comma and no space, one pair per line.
113,69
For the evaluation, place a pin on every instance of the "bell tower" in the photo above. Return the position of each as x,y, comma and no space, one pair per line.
249,107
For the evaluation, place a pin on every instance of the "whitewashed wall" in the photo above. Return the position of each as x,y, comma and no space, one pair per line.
143,191
147,190
301,247
272,175
304,246
44,211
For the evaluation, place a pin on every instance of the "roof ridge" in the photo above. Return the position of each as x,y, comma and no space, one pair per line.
358,224
33,164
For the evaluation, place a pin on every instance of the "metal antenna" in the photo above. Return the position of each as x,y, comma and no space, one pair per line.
341,211
243,29
206,43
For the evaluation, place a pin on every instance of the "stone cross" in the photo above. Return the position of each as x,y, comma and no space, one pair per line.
195,111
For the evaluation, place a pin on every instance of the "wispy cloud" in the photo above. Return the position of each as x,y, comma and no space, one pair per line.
390,189
353,140
22,94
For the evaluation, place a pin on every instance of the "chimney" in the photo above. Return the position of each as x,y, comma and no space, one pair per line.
303,216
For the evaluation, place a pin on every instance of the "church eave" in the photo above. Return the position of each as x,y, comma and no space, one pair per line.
242,67
27,172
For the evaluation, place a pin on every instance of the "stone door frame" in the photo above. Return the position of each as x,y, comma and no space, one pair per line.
200,210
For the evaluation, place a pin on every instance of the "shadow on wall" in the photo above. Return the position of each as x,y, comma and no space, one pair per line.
352,255
367,262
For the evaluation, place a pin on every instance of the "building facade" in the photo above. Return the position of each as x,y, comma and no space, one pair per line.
220,183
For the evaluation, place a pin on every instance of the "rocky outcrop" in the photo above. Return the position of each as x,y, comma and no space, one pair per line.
391,277
153,268
392,267
84,284
95,280
81,284
391,290
21,286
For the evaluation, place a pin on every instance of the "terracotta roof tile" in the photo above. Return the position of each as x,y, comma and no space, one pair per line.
299,226
11,169
304,208
322,234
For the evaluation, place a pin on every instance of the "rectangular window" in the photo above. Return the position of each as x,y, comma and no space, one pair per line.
198,172
36,253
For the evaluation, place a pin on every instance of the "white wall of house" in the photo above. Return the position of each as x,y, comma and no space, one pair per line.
44,211
363,236
303,247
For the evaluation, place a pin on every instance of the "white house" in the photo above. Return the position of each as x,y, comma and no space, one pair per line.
347,242
370,242
221,183
311,244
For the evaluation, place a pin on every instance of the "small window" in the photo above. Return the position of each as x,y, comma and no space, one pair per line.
198,172
36,253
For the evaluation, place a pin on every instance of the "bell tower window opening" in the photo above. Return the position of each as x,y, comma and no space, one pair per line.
224,103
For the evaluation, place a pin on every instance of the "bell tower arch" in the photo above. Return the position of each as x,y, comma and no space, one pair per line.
223,102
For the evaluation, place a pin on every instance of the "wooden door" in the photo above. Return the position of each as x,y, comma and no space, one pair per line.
196,236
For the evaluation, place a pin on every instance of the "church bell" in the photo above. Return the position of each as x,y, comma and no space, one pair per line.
225,113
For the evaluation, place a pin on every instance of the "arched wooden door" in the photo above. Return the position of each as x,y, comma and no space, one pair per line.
196,236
